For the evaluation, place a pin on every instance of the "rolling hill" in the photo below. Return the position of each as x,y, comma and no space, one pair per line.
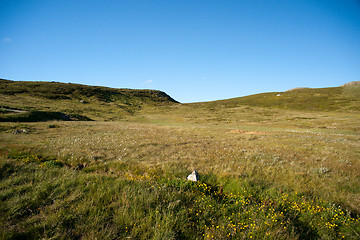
42,101
61,101
344,98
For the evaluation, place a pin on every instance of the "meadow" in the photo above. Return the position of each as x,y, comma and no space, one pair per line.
265,173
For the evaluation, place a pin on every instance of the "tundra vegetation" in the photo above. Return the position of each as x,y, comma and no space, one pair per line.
81,162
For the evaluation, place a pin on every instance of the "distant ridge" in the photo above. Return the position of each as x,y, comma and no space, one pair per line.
344,85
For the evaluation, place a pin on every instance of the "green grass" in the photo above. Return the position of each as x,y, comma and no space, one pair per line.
278,172
260,182
51,201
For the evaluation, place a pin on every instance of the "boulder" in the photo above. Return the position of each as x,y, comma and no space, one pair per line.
194,176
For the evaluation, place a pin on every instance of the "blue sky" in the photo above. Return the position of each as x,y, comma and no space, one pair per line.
194,50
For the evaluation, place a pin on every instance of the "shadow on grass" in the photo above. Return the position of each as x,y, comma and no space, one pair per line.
41,116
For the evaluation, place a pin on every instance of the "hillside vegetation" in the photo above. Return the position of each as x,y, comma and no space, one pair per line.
269,169
345,98
81,101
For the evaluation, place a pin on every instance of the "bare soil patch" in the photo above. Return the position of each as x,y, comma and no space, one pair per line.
249,133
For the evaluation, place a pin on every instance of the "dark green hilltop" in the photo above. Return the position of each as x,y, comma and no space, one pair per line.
39,101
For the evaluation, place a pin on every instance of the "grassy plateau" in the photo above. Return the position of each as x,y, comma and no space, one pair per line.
84,162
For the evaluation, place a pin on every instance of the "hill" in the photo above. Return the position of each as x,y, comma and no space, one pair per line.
42,101
74,100
344,98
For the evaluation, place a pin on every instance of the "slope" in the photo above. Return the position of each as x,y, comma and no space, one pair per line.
75,100
344,98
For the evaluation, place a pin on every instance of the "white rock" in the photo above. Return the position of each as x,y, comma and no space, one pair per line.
194,176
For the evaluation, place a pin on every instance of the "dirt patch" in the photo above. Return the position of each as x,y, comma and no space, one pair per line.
249,133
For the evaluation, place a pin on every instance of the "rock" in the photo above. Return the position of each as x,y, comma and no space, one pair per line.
194,176
19,131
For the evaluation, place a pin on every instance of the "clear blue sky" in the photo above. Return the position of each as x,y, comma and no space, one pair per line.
194,50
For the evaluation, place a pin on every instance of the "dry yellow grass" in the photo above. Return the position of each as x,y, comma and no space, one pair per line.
317,153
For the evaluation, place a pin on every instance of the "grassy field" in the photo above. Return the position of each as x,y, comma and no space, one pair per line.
267,172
